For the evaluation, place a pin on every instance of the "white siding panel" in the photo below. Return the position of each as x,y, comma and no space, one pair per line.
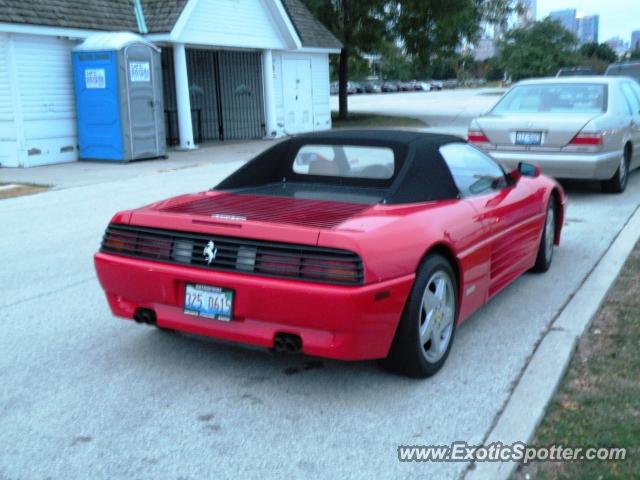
47,99
232,23
8,141
6,107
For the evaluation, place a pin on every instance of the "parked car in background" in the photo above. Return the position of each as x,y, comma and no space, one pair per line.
350,245
577,127
422,86
406,86
451,83
372,87
334,88
625,69
436,84
574,71
351,88
390,86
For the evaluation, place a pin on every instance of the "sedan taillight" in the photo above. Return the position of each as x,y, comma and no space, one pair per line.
477,136
593,139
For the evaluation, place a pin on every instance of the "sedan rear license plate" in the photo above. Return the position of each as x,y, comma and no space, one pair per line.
528,138
208,301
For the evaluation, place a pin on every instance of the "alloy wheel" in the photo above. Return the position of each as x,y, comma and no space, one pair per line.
437,315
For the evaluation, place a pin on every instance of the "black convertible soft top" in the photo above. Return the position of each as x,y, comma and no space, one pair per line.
420,174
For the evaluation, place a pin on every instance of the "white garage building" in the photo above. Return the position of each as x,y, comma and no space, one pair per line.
232,69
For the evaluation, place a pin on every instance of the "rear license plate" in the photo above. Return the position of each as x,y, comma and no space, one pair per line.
208,301
528,138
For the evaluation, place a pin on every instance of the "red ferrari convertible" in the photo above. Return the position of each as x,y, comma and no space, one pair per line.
347,244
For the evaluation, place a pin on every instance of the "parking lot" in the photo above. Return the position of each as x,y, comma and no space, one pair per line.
86,395
444,110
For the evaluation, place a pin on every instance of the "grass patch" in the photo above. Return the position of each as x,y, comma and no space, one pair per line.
10,190
365,120
598,401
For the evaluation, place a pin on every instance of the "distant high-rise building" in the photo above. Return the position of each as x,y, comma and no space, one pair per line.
617,45
635,39
567,19
588,28
485,48
527,12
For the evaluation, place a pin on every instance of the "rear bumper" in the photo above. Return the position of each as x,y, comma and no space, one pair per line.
588,166
345,323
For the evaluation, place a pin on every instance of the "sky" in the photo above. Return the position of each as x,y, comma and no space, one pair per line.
618,18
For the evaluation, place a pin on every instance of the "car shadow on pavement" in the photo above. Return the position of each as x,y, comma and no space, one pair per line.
235,370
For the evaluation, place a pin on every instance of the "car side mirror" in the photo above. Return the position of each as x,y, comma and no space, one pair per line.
528,170
514,175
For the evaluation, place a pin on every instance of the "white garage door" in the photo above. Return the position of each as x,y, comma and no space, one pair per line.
45,87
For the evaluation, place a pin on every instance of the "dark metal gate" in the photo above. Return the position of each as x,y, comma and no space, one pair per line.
225,89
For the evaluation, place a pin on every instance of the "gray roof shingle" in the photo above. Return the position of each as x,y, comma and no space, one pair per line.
84,14
160,16
312,33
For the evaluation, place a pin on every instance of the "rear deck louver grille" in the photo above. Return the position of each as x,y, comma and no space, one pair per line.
291,211
257,257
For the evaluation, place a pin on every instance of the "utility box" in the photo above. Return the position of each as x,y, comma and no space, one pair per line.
119,102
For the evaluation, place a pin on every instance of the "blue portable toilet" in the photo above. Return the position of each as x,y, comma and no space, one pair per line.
119,102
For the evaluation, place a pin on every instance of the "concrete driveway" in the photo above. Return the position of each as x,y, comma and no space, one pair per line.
85,395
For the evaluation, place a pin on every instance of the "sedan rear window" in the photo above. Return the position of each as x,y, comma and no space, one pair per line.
553,98
347,161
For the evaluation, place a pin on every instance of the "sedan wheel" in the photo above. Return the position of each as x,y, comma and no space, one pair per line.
427,327
545,250
618,183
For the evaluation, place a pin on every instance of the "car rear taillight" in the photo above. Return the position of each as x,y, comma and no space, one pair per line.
280,264
588,139
342,271
116,242
477,136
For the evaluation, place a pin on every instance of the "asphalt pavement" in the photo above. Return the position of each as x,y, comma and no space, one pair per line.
85,395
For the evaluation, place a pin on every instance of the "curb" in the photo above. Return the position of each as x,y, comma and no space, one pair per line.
528,401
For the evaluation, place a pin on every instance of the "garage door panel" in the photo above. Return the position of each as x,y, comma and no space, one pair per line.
43,67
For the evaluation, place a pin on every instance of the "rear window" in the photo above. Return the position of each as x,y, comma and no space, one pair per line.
553,98
624,70
348,161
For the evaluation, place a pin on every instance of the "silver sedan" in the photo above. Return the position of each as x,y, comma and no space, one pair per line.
577,127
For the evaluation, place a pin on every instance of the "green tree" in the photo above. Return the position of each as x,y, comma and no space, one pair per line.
426,28
361,26
537,50
394,64
435,28
635,54
600,51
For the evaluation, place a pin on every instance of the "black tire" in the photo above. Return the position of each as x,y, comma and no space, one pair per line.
407,354
545,249
618,183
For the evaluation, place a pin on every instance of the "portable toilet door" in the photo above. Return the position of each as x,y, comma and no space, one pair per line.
144,131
